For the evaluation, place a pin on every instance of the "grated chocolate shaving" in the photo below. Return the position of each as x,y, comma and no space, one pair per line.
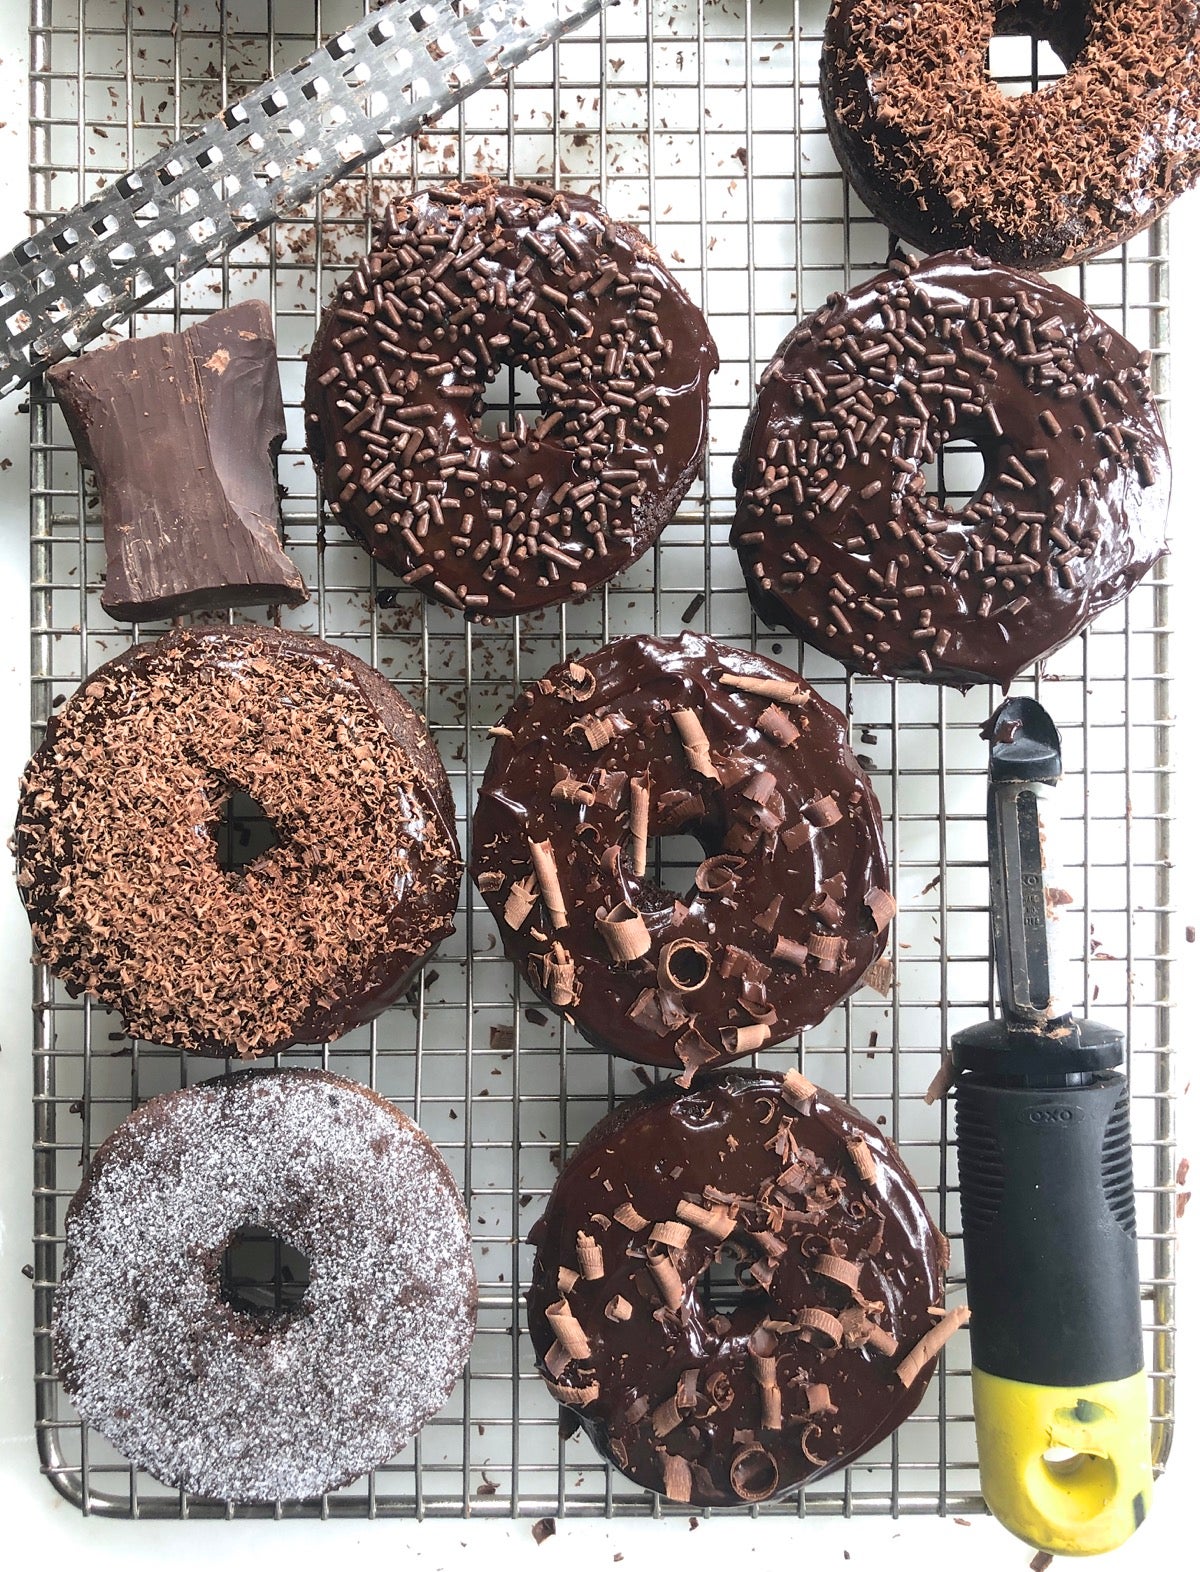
929,1346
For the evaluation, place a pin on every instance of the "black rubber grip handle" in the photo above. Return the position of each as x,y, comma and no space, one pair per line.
1049,1230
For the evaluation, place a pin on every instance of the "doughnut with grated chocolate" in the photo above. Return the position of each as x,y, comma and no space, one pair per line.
839,540
945,158
118,856
650,737
257,1405
462,283
719,1387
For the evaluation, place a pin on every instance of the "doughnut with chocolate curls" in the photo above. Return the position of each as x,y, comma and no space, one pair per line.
118,841
838,536
462,284
939,152
789,903
760,1312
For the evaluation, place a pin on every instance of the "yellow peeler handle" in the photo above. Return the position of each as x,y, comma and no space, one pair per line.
1066,1468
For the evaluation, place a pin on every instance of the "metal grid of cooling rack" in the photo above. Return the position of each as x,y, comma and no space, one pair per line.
698,120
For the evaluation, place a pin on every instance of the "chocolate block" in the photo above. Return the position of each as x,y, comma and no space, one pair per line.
182,431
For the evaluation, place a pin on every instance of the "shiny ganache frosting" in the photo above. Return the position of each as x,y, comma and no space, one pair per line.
685,736
719,1391
838,535
117,850
462,283
939,152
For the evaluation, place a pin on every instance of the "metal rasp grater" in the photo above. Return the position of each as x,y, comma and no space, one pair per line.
382,79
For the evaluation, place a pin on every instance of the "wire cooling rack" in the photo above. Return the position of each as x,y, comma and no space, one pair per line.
698,120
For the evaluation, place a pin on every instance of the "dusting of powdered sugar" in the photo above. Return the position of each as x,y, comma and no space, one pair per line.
212,1400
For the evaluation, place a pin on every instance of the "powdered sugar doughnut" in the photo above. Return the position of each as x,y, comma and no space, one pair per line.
223,1403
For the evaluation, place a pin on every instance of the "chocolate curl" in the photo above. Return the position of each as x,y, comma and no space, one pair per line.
718,1222
716,875
817,1396
546,870
618,1308
684,965
624,932
580,684
557,1360
929,1346
500,731
879,976
798,1090
575,1396
772,1407
789,952
862,1157
629,1217
677,1478
522,897
882,906
774,688
819,1321
667,1279
759,787
674,1235
942,1081
883,1341
490,880
828,949
744,1039
566,1279
599,730
753,1473
666,1417
560,976
824,811
590,1257
568,1330
798,835
693,1051
568,789
777,726
639,821
844,1272
695,743
761,1348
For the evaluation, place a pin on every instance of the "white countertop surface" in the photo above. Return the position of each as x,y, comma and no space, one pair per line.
40,1524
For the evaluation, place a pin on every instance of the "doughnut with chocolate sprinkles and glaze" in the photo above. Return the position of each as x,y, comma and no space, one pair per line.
938,151
462,283
682,736
118,858
252,1405
718,1394
840,542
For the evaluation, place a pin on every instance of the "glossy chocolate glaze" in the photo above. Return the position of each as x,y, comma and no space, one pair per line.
216,1399
798,857
839,541
182,431
461,283
800,1200
945,158
117,852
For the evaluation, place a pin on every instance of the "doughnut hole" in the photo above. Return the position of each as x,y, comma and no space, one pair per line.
957,475
263,1277
242,830
726,1286
1033,45
512,390
671,864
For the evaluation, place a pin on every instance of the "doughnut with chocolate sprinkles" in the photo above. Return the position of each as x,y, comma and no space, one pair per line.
684,736
719,1393
837,536
937,150
462,283
118,858
253,1404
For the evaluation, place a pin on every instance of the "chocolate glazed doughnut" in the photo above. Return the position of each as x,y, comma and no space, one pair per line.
118,857
839,541
708,1394
940,154
677,736
461,283
260,1405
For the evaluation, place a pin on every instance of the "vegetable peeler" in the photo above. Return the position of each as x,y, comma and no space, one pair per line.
1049,1231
